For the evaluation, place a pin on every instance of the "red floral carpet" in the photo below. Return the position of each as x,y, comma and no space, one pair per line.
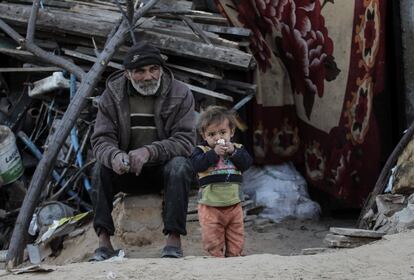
321,64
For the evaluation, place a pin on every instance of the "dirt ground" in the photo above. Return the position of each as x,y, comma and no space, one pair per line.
390,258
286,238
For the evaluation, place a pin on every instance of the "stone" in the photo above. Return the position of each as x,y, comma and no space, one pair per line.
380,222
3,254
342,241
356,232
37,253
261,221
314,251
138,219
404,178
192,217
388,204
402,220
250,218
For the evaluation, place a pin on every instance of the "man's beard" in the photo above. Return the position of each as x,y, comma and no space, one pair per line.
147,88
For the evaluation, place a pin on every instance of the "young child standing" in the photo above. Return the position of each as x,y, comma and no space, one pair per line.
219,164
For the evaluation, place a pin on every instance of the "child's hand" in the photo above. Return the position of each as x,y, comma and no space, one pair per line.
220,148
230,148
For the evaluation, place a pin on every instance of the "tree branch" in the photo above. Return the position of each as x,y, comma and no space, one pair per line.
128,17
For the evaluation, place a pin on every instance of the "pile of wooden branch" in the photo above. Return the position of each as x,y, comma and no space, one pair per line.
203,50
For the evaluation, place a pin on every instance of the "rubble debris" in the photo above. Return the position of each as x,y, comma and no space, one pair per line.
393,212
32,269
350,237
388,204
38,252
3,254
403,153
400,221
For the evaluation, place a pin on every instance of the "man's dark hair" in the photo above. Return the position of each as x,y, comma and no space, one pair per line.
215,114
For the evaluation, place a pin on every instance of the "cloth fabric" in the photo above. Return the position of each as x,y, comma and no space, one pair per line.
222,230
173,115
220,194
175,178
321,68
142,54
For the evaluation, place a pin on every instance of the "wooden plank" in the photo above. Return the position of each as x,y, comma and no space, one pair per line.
89,58
225,57
110,16
237,86
189,35
15,52
197,30
226,30
210,93
355,232
194,71
31,69
56,20
342,241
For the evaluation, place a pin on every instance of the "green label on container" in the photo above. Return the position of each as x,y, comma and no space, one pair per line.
13,173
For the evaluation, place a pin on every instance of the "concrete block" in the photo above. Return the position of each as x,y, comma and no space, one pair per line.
138,219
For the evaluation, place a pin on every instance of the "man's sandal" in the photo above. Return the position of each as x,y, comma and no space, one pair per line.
171,252
103,253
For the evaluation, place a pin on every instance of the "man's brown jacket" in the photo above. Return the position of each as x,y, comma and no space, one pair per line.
174,119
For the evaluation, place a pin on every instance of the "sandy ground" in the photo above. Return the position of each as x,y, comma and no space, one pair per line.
286,238
390,258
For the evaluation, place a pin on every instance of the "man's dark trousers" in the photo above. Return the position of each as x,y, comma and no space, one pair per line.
175,178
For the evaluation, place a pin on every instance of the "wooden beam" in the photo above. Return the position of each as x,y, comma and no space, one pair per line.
30,69
227,30
194,71
197,30
225,57
210,93
89,58
57,20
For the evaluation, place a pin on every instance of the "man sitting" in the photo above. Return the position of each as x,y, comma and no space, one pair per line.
144,132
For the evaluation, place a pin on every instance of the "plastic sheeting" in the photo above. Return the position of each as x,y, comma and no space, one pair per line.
282,191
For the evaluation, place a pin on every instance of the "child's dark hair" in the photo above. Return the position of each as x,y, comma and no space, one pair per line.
215,114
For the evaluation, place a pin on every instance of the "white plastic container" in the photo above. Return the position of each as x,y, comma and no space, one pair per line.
48,84
11,167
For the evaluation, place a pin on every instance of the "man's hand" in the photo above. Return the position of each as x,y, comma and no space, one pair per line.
120,163
138,158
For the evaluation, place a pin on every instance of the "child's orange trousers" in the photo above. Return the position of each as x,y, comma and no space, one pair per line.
222,230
